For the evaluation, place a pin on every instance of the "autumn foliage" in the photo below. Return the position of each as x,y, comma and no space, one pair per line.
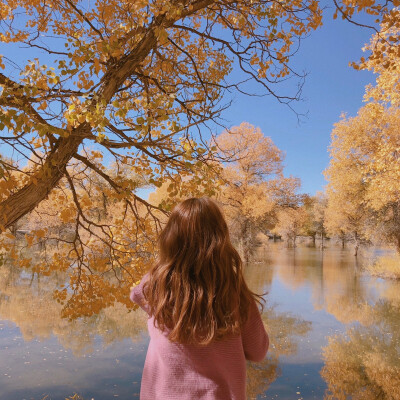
108,97
364,171
132,82
253,187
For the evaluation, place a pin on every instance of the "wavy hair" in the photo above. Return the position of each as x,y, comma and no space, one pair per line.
196,287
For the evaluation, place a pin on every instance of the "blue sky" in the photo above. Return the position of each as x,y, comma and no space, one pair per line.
331,87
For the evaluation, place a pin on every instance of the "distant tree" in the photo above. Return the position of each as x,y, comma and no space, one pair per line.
347,208
310,228
314,207
291,222
253,185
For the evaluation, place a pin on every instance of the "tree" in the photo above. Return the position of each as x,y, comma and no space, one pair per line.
253,183
315,207
363,174
310,228
133,75
136,80
291,222
130,83
348,208
364,171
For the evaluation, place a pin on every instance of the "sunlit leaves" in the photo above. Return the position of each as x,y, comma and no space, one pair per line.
364,173
291,223
384,47
254,186
364,170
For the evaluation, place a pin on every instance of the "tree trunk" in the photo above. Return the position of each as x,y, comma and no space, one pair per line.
26,199
105,205
357,244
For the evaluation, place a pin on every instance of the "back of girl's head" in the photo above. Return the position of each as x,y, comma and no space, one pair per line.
196,288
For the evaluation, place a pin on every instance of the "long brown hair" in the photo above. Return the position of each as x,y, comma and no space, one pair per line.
196,288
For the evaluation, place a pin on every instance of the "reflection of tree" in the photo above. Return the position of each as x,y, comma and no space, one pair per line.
298,266
343,292
283,330
27,300
258,276
365,363
332,276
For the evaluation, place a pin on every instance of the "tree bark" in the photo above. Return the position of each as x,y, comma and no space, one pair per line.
26,199
356,244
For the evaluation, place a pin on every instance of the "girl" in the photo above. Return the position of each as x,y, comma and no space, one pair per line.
203,319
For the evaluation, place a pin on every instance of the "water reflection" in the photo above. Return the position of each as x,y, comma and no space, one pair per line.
43,354
334,332
27,301
333,277
364,363
284,329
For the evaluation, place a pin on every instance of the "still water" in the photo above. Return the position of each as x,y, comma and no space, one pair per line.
334,334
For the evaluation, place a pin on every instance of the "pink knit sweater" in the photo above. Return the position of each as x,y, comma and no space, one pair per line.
174,371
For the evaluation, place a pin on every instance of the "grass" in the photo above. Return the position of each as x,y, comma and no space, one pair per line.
386,267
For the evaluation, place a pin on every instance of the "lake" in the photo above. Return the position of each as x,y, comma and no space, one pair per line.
334,334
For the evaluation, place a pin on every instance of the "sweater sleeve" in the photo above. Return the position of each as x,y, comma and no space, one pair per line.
254,336
136,294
